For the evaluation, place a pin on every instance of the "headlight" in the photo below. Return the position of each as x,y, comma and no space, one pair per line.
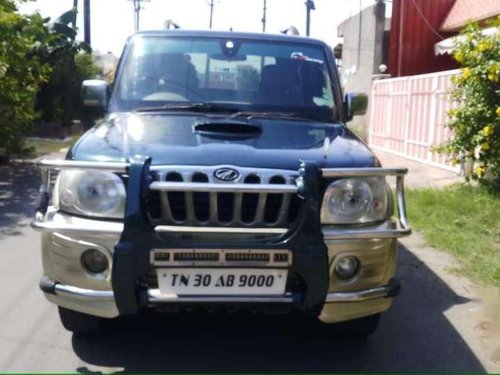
355,200
90,193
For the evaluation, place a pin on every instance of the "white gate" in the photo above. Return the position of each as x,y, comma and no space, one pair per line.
408,116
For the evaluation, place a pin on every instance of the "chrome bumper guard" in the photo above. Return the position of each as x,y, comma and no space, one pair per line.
403,226
51,287
154,296
330,232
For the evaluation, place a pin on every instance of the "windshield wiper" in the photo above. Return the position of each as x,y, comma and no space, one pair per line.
279,115
218,108
196,107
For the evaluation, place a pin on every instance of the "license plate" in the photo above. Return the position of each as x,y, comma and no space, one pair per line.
222,281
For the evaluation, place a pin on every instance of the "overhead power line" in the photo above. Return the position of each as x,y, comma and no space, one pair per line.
426,21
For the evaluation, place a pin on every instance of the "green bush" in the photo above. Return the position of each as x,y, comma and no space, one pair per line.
22,72
476,122
41,70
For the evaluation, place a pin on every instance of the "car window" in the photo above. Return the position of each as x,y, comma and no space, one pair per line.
249,75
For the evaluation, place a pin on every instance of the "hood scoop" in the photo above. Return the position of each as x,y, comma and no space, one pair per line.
225,129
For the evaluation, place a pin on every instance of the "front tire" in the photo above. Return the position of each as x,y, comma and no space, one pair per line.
79,323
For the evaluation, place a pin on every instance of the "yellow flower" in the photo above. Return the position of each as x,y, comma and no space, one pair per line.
459,56
474,55
451,112
498,111
480,171
466,73
488,130
454,162
485,146
483,46
494,68
493,77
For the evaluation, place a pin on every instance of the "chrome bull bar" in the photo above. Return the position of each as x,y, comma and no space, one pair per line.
330,232
154,296
403,226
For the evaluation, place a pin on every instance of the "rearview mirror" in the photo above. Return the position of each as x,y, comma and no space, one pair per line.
356,104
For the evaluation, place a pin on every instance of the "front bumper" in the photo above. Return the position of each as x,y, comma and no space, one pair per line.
154,296
71,296
314,248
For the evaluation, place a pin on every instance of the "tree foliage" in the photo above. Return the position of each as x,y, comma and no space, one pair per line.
476,122
59,98
41,70
22,71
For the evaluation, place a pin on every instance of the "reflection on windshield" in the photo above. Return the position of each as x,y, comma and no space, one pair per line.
244,75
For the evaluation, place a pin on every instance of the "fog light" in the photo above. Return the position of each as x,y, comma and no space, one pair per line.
94,261
347,267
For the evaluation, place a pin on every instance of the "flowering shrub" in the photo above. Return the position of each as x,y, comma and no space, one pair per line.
476,122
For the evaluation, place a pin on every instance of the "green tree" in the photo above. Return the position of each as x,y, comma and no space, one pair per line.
85,66
476,122
22,71
59,98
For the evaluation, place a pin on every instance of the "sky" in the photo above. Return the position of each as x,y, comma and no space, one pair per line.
112,21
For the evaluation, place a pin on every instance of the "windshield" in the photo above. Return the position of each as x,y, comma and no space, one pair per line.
240,75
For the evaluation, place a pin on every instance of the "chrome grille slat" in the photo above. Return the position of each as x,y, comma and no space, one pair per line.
190,215
166,213
221,188
214,215
261,207
283,213
238,201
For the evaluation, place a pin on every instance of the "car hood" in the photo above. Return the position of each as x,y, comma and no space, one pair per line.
176,139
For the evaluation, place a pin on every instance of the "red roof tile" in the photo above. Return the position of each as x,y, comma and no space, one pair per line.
469,10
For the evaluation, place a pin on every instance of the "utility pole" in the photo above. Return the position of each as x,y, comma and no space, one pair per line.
211,4
137,12
264,17
309,6
86,21
75,10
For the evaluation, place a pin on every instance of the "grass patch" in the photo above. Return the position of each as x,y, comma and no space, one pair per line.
39,147
464,220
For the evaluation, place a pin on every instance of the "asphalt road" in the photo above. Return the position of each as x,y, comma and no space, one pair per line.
414,335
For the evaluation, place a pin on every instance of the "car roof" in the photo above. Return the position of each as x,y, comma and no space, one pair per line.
229,34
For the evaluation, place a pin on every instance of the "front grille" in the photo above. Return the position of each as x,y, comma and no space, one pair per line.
223,209
193,257
220,258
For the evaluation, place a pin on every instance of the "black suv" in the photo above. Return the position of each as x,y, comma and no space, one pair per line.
223,174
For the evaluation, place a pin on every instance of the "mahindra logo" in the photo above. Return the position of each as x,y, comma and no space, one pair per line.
226,174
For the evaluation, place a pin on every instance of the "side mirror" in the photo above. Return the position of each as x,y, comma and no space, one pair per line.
95,94
95,101
356,104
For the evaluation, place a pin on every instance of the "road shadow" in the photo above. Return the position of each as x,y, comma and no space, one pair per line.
414,335
19,186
